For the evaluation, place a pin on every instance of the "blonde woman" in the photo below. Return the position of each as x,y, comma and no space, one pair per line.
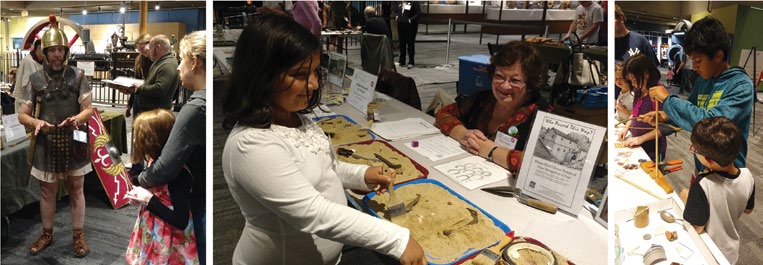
187,139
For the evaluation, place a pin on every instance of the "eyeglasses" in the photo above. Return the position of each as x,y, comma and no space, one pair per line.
500,79
692,150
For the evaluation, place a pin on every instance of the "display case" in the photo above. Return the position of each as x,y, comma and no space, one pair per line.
439,12
558,17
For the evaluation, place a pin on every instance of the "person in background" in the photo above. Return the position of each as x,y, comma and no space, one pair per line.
306,14
142,66
629,43
27,66
187,141
641,75
624,103
495,124
407,28
163,232
588,18
159,86
722,90
688,75
278,164
374,24
717,198
56,104
12,79
8,103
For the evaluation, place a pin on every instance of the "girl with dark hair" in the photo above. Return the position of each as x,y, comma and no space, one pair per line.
484,121
279,165
641,74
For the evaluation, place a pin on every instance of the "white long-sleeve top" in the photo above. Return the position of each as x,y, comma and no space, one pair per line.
290,189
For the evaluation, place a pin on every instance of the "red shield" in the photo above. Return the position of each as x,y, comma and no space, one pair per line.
111,171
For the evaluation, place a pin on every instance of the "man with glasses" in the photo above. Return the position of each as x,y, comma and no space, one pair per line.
495,123
720,91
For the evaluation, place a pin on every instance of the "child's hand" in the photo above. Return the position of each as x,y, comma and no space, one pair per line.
633,142
621,135
139,194
375,176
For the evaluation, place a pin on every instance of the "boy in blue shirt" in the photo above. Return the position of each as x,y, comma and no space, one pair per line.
720,91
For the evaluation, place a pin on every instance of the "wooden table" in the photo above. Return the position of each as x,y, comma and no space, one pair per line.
580,239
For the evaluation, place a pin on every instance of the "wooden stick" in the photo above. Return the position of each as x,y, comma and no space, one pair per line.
640,187
657,138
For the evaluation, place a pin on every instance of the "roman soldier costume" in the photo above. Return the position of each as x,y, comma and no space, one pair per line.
55,96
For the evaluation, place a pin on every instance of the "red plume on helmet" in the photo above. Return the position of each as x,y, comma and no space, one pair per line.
53,21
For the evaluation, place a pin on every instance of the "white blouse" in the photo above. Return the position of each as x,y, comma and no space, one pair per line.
290,189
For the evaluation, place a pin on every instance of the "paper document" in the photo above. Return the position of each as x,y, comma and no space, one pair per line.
13,128
88,67
124,81
473,172
407,128
437,147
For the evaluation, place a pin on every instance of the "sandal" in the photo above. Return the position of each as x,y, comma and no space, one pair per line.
80,245
45,240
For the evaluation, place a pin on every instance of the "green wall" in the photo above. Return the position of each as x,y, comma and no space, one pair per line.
748,33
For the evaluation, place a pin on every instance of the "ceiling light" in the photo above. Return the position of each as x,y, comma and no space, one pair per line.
84,11
157,6
24,12
122,8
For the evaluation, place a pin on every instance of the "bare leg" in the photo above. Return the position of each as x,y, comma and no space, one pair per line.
48,203
76,200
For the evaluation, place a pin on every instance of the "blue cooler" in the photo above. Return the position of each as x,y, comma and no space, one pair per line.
472,74
595,97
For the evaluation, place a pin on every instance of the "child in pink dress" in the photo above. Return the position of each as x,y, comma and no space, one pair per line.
163,233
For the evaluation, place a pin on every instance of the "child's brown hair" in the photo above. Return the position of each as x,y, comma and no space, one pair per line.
718,139
151,129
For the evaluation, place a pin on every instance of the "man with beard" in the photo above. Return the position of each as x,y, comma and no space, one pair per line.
57,106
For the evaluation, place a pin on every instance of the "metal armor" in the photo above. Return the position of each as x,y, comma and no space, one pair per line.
57,95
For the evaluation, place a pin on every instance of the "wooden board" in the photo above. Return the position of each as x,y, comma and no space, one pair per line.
660,179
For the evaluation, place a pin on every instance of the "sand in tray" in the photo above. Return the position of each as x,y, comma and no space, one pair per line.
436,211
365,156
343,131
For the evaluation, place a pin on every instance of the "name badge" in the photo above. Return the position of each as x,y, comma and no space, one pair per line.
505,141
80,136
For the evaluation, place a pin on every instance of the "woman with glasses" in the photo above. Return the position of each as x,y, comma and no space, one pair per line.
641,74
495,123
279,165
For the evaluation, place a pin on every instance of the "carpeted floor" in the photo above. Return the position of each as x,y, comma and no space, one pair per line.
107,231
